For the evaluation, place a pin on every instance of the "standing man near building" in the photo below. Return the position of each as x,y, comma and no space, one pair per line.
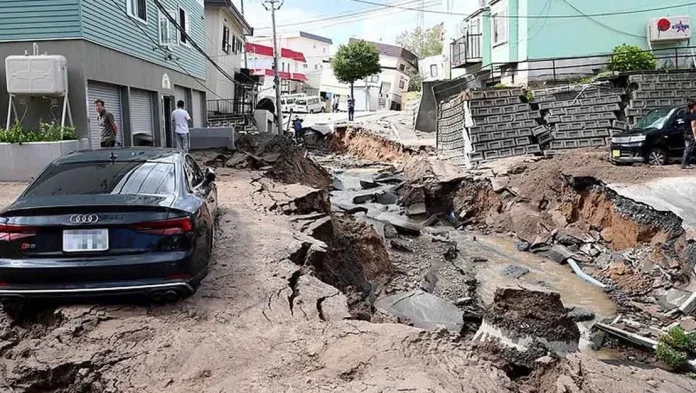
107,125
181,120
351,108
689,134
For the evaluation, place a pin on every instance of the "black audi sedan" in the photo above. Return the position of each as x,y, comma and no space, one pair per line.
122,221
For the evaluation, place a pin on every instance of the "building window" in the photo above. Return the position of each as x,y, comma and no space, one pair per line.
316,66
226,39
184,23
500,27
305,66
137,9
297,67
402,84
323,49
374,78
433,70
240,45
167,30
402,67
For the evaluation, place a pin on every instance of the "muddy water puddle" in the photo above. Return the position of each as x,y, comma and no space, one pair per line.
543,274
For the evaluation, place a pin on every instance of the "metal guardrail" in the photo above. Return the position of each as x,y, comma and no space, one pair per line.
466,50
224,107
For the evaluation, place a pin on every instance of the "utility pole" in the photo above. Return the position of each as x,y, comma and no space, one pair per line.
246,64
270,5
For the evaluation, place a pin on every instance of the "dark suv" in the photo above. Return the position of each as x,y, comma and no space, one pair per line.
657,139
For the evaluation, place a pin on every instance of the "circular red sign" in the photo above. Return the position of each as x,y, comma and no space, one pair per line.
663,24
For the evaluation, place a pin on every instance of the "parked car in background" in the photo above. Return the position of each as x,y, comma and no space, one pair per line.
657,139
309,105
121,221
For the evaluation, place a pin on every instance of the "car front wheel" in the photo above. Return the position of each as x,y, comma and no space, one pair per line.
657,157
311,111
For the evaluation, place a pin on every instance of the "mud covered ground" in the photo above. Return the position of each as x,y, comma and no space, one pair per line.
264,321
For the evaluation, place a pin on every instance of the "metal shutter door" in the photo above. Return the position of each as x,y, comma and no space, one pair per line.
141,112
180,95
111,96
197,108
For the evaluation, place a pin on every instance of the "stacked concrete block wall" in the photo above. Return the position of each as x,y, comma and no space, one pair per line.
503,124
578,116
410,110
651,91
450,130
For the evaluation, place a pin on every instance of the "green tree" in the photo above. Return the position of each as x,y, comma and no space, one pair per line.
416,81
423,43
355,61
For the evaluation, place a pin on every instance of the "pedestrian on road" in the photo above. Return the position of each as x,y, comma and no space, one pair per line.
334,106
107,125
689,134
351,108
299,132
181,120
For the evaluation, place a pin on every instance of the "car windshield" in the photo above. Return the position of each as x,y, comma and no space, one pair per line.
656,118
290,100
119,177
301,102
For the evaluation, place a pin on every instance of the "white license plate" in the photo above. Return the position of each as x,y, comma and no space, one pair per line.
85,240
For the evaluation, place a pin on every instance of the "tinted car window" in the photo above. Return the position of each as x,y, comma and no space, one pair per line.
194,176
105,178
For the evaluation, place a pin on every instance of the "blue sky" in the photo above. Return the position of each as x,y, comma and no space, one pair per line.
381,25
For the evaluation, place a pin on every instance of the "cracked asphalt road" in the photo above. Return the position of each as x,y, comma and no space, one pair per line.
239,334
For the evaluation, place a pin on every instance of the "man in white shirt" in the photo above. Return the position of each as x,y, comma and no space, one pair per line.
181,120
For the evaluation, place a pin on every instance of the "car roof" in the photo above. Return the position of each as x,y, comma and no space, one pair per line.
152,154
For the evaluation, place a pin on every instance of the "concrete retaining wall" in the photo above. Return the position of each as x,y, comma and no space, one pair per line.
23,162
212,138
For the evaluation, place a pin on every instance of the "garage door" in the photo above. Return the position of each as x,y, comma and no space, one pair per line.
142,115
197,108
112,100
180,95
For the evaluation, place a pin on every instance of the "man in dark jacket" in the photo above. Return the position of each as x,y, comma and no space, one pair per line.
689,134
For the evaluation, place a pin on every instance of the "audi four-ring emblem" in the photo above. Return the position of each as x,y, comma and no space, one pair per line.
84,218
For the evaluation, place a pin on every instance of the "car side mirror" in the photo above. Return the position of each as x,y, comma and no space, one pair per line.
209,175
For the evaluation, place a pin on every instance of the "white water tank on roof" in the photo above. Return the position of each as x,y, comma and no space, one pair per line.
45,75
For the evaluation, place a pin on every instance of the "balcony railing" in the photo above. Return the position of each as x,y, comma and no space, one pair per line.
229,107
466,51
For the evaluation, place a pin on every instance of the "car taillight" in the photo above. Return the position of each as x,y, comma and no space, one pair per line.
169,227
12,232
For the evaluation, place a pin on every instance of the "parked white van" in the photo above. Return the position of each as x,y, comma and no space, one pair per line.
287,103
309,105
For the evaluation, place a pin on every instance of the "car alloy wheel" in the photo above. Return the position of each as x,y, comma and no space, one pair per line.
657,157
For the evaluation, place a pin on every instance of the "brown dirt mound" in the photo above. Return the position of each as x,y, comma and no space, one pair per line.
365,145
627,279
534,313
367,244
293,164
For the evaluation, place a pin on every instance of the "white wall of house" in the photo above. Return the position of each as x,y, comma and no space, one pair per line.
231,60
315,52
434,68
500,32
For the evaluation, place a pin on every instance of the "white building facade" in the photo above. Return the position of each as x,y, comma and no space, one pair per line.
292,79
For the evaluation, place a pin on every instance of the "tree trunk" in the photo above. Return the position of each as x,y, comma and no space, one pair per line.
352,93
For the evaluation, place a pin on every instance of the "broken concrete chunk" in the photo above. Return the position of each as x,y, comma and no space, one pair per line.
559,253
688,324
416,209
337,184
514,271
360,199
603,261
321,228
386,198
400,245
390,231
462,301
580,314
673,298
429,282
424,310
367,185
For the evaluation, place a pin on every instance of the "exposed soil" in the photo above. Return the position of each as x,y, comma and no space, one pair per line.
365,145
533,313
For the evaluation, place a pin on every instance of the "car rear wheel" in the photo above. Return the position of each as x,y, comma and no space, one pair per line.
323,110
657,157
311,111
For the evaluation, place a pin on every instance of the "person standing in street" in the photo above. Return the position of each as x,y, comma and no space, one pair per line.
181,120
334,106
107,125
689,134
351,108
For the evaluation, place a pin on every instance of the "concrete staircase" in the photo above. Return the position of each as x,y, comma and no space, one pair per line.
241,123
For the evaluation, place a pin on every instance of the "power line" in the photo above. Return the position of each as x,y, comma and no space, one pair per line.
606,26
159,46
326,18
532,16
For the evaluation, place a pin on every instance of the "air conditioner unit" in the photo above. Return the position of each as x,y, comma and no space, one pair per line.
669,28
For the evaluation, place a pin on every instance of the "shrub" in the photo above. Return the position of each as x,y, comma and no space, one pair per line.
631,58
675,346
48,132
499,86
